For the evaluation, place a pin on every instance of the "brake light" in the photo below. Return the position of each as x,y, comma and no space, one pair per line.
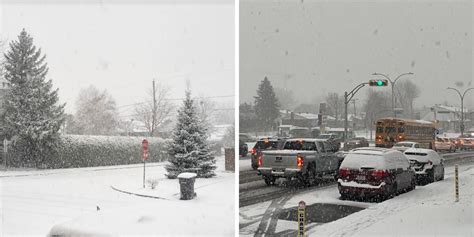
379,173
254,151
260,161
299,161
343,172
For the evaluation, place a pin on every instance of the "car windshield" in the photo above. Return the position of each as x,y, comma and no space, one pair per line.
324,136
300,145
390,129
416,154
358,161
403,145
262,145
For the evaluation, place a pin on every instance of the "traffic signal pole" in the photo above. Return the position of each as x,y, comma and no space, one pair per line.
347,98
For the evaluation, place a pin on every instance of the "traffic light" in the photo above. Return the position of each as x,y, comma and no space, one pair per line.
379,82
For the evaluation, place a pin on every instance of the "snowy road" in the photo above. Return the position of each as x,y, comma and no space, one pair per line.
35,201
434,203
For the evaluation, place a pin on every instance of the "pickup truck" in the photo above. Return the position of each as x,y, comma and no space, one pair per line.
304,159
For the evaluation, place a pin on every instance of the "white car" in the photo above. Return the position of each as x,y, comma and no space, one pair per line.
405,145
428,165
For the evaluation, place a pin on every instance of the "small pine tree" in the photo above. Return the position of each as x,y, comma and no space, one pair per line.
266,104
189,150
32,115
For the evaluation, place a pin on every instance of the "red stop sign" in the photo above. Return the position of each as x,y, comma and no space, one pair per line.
144,149
145,145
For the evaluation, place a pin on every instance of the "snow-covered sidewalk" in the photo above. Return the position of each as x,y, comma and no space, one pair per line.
82,201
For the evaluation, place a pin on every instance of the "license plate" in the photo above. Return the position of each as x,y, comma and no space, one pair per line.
278,159
360,177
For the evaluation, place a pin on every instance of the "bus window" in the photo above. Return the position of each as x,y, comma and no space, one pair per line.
390,129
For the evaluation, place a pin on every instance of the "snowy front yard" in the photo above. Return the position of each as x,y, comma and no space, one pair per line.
428,210
82,201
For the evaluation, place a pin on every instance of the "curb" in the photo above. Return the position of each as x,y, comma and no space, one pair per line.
136,194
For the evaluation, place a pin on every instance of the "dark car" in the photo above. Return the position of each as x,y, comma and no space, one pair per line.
243,149
375,172
331,139
265,144
356,142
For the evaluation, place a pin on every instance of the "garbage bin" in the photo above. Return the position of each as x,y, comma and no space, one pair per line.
186,184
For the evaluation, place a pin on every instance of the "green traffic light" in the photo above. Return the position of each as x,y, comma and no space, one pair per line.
379,83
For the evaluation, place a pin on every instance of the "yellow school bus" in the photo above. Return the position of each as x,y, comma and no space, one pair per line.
392,130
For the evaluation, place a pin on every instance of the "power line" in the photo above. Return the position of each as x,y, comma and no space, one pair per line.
137,114
174,99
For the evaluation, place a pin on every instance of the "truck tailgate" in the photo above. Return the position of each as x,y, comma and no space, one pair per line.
281,159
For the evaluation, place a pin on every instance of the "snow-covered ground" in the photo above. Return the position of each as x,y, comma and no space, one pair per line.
429,210
82,200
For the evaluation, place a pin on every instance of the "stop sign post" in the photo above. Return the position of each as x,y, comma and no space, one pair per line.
144,157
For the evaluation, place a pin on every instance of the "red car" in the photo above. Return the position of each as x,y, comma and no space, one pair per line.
375,172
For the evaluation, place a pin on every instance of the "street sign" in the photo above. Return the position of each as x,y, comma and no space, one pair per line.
301,218
144,157
145,144
144,149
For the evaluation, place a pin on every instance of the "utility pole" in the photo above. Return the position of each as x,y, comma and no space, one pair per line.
353,117
153,116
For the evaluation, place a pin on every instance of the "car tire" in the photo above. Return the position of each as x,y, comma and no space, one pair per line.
309,177
431,175
394,190
269,180
413,184
343,196
442,173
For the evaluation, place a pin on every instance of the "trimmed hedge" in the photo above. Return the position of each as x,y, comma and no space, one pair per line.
86,151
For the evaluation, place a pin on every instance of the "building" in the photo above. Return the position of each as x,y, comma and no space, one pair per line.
447,118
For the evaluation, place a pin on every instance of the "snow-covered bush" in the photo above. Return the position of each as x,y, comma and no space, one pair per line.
86,151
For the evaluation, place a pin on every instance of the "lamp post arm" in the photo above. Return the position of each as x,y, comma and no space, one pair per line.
457,91
408,73
468,89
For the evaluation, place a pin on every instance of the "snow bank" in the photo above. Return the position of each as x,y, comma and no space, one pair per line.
428,210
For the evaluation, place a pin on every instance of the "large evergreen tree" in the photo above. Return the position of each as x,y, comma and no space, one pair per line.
189,150
266,105
32,115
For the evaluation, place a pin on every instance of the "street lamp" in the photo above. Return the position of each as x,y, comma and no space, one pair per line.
392,83
462,105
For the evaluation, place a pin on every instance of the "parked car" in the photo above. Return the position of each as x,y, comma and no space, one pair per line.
443,144
428,165
466,143
304,159
372,172
355,143
243,149
264,144
332,139
405,145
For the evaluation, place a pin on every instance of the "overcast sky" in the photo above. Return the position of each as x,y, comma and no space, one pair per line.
331,46
121,47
